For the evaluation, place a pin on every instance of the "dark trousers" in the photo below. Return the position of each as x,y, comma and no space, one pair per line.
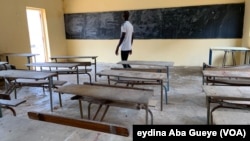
124,57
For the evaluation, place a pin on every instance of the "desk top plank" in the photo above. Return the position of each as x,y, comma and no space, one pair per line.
19,54
25,74
235,117
3,63
72,57
108,93
227,92
230,48
133,74
52,64
22,129
240,73
148,63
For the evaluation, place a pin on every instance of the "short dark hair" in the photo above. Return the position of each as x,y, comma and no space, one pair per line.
126,14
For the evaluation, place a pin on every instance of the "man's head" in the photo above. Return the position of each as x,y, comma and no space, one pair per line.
126,15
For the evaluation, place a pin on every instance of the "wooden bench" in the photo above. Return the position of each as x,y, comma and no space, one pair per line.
80,123
107,103
134,81
64,68
73,71
8,104
6,93
102,94
36,83
236,80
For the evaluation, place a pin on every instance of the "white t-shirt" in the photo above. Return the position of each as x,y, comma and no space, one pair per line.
128,28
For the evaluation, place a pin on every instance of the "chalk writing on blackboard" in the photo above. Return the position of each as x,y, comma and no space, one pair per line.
211,21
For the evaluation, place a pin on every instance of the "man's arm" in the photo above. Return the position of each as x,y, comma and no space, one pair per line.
120,42
132,42
132,38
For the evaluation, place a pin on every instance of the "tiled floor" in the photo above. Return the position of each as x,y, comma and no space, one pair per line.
186,101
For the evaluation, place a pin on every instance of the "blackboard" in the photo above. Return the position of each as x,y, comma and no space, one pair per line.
193,22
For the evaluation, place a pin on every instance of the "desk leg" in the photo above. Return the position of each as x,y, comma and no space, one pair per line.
234,60
146,109
245,57
210,56
1,115
7,58
161,83
77,75
50,92
95,69
28,60
208,109
167,79
224,59
108,80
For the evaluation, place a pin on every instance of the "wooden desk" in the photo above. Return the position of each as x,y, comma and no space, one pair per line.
157,77
28,55
112,94
164,64
56,58
226,50
215,94
53,67
27,74
23,129
225,73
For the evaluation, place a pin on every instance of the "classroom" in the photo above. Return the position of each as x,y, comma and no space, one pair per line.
189,42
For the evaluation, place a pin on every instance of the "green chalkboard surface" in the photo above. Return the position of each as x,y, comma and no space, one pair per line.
194,22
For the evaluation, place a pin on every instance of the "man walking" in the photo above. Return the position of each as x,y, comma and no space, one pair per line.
126,39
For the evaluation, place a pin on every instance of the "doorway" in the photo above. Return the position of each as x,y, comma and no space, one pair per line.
38,33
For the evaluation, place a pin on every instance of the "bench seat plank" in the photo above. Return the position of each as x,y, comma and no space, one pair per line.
160,70
38,82
80,123
108,93
232,116
13,102
8,104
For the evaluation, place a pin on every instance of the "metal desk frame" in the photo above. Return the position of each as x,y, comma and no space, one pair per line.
226,51
165,64
28,74
214,94
158,77
56,58
56,65
28,55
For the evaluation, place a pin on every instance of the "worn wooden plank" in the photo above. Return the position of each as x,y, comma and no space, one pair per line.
80,123
108,93
160,70
25,129
52,64
227,92
238,73
148,63
232,116
25,74
133,74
